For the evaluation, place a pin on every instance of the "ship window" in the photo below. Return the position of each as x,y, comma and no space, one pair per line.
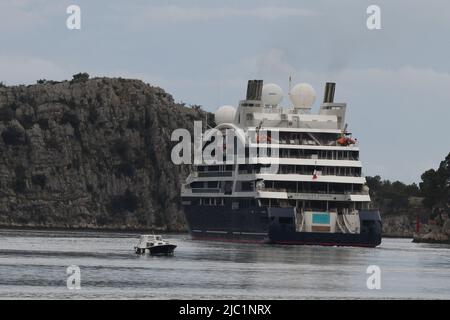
197,184
212,184
228,187
285,220
264,219
243,203
246,186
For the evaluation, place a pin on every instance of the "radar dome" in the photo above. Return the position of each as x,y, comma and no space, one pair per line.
303,95
272,94
225,114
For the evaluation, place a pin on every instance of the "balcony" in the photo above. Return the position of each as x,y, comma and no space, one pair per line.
205,190
204,174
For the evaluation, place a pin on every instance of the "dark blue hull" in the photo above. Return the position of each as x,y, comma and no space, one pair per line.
282,230
261,225
278,236
225,224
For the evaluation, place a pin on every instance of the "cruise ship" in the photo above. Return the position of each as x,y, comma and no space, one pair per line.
280,175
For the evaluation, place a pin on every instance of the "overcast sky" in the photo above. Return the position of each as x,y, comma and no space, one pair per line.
396,80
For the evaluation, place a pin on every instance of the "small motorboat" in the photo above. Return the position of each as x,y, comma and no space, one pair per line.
155,245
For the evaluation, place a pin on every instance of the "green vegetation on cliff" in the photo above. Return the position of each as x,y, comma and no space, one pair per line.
396,197
435,185
401,204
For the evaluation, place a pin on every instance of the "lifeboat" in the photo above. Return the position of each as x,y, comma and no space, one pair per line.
263,138
345,141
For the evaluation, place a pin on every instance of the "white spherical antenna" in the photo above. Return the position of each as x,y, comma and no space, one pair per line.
225,114
271,94
303,95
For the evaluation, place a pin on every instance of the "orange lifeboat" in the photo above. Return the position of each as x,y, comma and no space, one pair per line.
263,138
345,141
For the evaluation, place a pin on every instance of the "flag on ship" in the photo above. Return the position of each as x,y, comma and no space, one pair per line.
314,177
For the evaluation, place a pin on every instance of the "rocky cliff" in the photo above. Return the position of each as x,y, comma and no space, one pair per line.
90,154
434,233
401,226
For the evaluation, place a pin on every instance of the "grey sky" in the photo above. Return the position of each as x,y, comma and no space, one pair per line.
396,81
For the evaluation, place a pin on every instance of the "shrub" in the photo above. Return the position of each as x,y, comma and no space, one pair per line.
121,148
133,124
13,137
39,180
45,81
93,115
26,121
43,124
126,202
103,220
20,184
53,143
125,169
6,113
70,117
80,77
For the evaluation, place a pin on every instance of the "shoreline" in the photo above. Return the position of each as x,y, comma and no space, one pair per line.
85,229
432,241
130,230
396,237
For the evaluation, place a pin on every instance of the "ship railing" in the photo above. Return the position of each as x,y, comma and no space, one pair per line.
272,189
305,173
331,192
206,190
357,192
215,174
247,172
294,156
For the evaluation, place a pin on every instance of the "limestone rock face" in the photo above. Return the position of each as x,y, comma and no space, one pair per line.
398,226
435,234
91,154
446,227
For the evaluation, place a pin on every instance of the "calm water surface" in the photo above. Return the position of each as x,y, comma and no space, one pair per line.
33,265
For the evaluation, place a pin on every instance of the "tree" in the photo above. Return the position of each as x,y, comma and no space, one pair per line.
45,81
390,197
80,77
435,185
374,184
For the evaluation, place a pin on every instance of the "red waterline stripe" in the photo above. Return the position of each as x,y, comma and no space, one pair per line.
330,244
326,244
228,239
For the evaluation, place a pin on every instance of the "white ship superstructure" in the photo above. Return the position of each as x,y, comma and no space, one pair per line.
318,186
